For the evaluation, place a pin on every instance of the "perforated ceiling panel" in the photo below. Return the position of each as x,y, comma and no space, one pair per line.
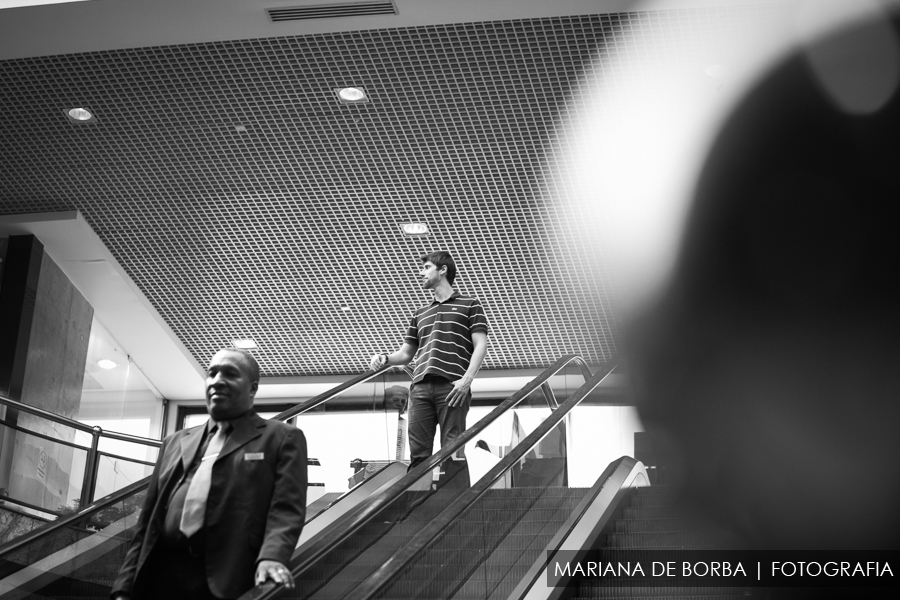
246,201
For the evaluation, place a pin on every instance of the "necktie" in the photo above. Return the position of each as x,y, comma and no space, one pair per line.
195,500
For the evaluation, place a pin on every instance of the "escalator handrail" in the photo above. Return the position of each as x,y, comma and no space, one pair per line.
62,522
375,582
324,397
593,517
141,484
362,515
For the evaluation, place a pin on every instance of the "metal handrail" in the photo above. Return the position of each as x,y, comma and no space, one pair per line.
362,515
34,507
90,508
46,414
91,464
324,397
146,463
43,436
427,534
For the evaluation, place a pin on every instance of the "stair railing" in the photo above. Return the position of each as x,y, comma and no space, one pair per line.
92,460
90,508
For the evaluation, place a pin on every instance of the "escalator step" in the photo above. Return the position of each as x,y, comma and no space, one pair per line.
653,500
536,491
516,503
511,515
648,525
655,512
654,490
653,520
662,540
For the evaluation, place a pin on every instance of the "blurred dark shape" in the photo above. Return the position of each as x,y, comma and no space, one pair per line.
770,365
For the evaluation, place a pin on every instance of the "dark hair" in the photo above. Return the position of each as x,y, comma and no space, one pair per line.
251,362
442,259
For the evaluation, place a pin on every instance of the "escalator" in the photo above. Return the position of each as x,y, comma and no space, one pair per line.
79,556
653,519
457,540
498,539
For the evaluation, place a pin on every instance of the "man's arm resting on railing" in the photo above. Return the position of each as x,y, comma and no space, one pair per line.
398,358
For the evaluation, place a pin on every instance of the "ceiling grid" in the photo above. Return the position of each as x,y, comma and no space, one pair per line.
267,233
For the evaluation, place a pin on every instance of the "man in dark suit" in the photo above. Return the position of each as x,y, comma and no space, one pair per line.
226,502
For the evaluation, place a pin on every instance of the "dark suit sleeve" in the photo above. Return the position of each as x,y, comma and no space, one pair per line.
287,511
124,583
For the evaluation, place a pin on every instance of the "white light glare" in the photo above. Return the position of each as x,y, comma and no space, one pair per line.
21,3
352,94
415,228
246,344
80,114
105,363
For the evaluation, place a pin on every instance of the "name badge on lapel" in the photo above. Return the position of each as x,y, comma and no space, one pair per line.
254,456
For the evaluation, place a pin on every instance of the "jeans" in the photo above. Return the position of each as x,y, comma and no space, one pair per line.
427,410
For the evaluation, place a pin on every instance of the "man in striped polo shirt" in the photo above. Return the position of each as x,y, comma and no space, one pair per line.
450,335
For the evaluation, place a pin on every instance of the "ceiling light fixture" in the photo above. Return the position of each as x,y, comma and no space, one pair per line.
351,95
245,344
105,363
80,115
414,229
345,308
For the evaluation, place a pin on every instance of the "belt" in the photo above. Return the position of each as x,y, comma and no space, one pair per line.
434,378
194,545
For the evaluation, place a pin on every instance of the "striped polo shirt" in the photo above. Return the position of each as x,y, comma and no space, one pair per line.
443,333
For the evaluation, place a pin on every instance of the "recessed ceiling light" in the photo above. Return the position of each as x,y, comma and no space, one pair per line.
345,307
105,363
351,95
414,228
246,344
80,115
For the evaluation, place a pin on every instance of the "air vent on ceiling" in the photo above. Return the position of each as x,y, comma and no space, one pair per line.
332,11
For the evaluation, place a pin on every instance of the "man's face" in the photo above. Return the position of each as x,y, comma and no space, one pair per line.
430,274
229,390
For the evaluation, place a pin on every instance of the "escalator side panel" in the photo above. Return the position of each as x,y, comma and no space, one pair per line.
375,484
80,560
506,544
587,525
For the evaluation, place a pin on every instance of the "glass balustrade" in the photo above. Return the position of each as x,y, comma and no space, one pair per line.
492,544
491,536
492,434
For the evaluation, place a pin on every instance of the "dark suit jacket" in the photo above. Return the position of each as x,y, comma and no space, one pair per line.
255,510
